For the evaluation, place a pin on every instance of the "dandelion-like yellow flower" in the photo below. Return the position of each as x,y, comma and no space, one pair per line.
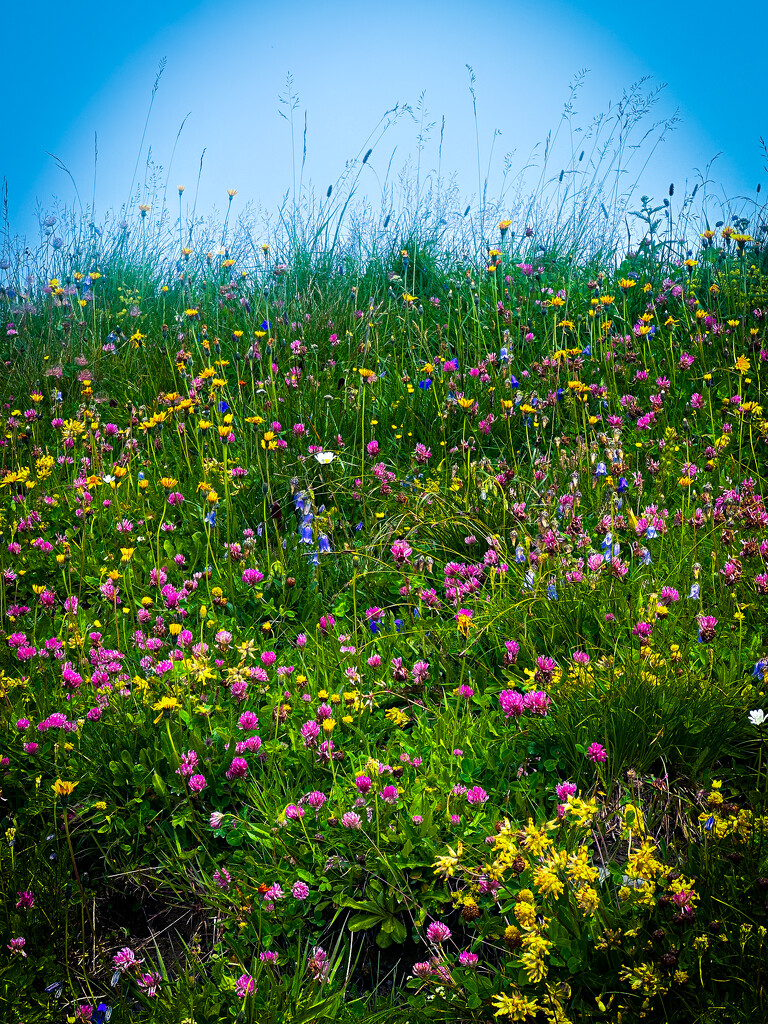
61,788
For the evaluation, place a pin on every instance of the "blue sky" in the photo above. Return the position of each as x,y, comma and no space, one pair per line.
70,73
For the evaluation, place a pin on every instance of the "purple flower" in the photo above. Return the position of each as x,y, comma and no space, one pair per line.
150,983
467,959
244,986
197,783
125,959
537,702
251,577
300,890
238,769
401,551
318,964
389,794
438,932
707,625
25,901
512,703
17,945
476,795
248,720
597,753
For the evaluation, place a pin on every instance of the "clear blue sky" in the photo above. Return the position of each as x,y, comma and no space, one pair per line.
70,72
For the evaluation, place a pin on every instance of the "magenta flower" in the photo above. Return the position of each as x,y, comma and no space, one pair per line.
244,986
401,551
125,959
438,932
17,945
389,794
25,901
150,982
238,769
363,784
596,753
707,625
476,795
512,703
537,702
467,959
197,783
300,890
642,630
351,820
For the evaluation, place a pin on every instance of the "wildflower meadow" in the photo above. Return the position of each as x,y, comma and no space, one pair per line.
383,613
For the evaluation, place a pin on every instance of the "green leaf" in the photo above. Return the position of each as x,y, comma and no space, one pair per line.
362,922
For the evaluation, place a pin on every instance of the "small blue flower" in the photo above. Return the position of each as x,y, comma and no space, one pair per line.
223,407
306,532
694,594
323,544
425,385
645,556
552,592
358,527
651,533
606,542
210,518
587,350
760,666
601,469
398,624
504,355
709,823
513,381
519,554
265,326
623,485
